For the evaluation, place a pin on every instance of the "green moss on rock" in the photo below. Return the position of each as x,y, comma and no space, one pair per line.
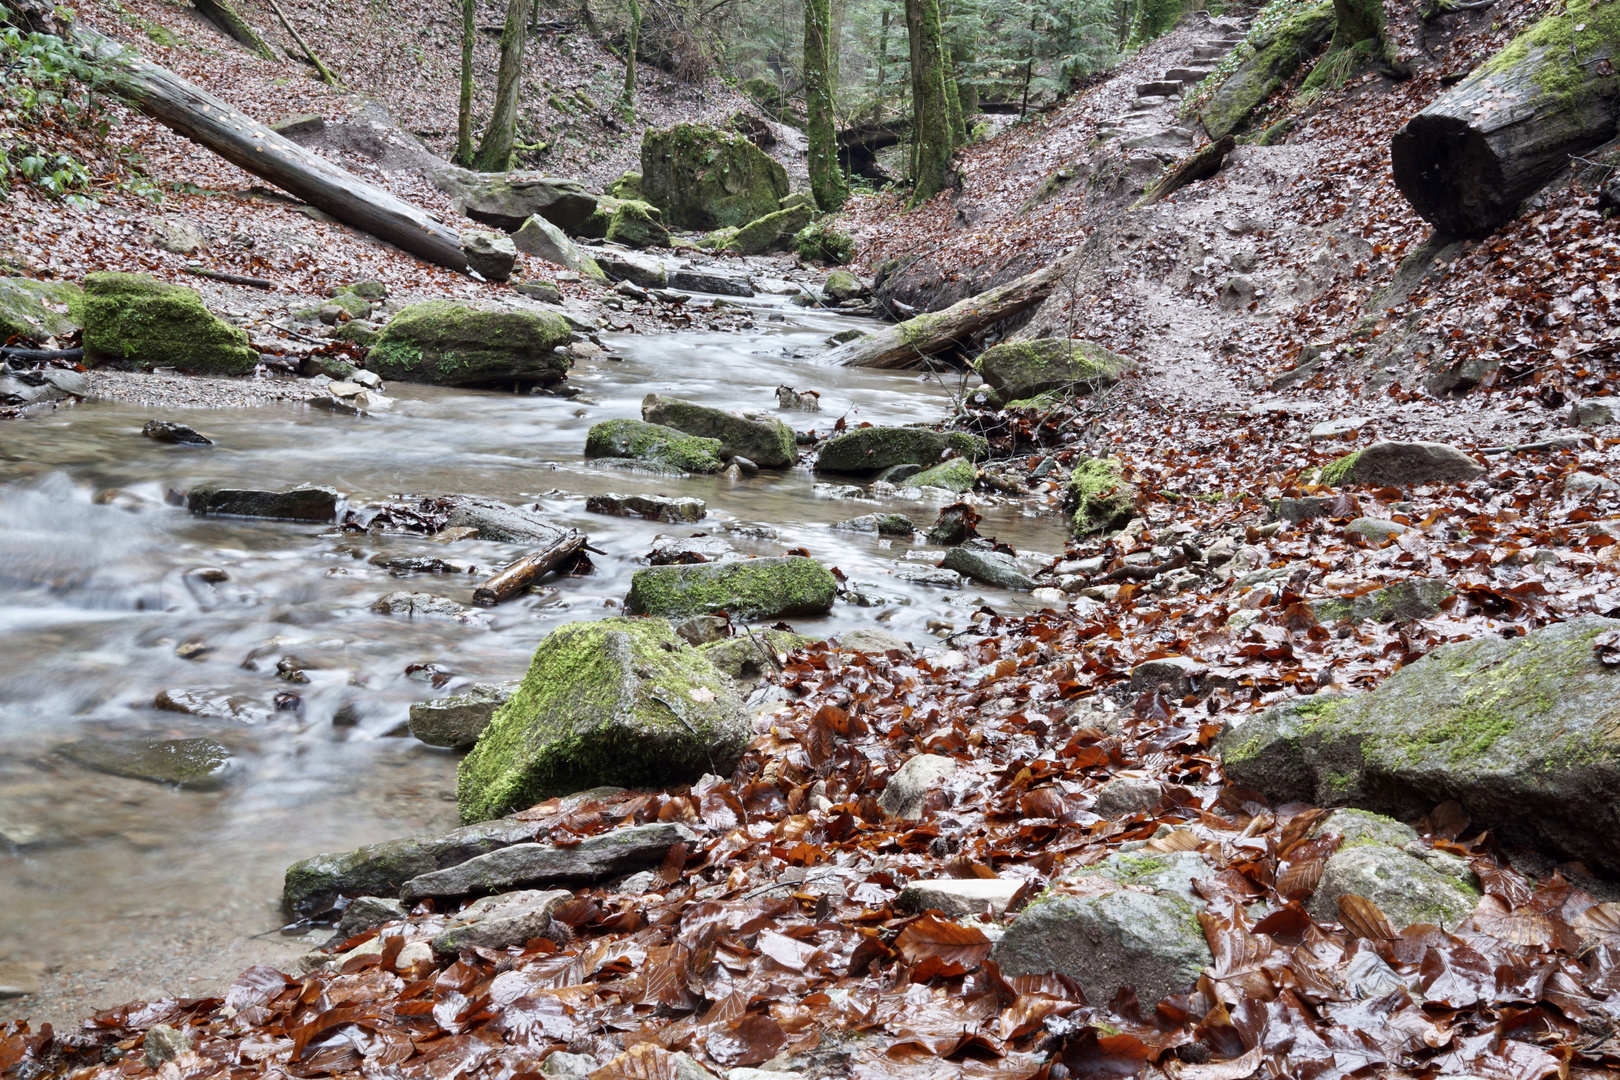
1026,369
653,442
1276,57
451,344
819,242
620,701
32,309
140,320
773,232
764,440
1335,471
778,587
627,186
872,449
704,178
635,224
957,474
741,657
1103,498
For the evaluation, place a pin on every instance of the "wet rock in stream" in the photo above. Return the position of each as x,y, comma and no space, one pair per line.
196,763
456,722
304,503
763,440
768,588
867,450
653,507
653,442
165,431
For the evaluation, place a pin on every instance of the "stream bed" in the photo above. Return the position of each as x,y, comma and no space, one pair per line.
113,889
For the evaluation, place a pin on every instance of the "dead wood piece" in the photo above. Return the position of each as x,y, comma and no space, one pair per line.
1198,166
234,279
527,570
1146,573
326,76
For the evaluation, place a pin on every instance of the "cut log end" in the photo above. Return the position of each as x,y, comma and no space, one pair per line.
1449,172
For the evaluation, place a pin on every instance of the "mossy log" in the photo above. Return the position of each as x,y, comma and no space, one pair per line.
230,23
243,141
911,343
1467,161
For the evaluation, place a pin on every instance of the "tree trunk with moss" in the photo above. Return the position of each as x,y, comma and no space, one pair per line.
469,29
230,22
826,180
1467,161
1355,21
627,99
930,120
495,150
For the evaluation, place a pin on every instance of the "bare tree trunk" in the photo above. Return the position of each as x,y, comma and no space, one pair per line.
882,65
628,98
826,179
930,127
225,16
495,150
469,31
326,76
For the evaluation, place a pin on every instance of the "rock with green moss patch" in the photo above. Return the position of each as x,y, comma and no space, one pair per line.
1524,733
779,587
451,344
743,657
1103,498
1414,598
1277,55
1397,464
867,450
358,332
773,232
1026,369
764,440
818,242
642,441
38,309
543,240
1105,936
619,701
704,178
1381,859
842,285
635,224
627,186
138,319
957,474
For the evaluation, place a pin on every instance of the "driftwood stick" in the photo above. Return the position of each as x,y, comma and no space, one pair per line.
40,356
527,570
326,76
234,279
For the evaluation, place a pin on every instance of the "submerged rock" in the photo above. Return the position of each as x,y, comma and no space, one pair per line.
1018,370
763,440
142,321
642,441
867,450
452,344
165,431
594,858
457,721
306,503
619,701
652,507
1520,732
188,763
421,605
769,588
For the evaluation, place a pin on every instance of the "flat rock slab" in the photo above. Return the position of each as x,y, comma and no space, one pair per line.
290,504
621,851
1524,733
989,567
707,282
652,507
457,721
957,898
499,922
189,763
496,520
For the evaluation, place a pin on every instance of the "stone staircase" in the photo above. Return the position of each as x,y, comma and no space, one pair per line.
1151,122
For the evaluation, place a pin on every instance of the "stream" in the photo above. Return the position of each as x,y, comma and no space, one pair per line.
113,889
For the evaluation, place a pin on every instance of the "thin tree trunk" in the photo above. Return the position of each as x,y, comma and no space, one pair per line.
223,15
495,150
882,66
1029,67
326,75
930,130
628,97
469,30
826,180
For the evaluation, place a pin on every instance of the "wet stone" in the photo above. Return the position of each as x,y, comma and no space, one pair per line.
457,721
315,504
957,898
881,524
368,913
595,858
903,796
165,431
499,922
680,551
191,763
653,507
419,605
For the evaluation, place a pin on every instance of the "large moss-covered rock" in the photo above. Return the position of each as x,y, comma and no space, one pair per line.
1380,858
957,474
773,232
138,319
771,588
1524,733
642,441
870,449
1025,369
1277,55
33,309
542,239
507,200
627,186
452,344
704,178
764,440
635,224
1103,498
1396,464
619,701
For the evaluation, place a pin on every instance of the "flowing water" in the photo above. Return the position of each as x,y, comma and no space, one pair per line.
115,888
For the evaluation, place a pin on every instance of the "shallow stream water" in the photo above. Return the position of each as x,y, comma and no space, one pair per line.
114,889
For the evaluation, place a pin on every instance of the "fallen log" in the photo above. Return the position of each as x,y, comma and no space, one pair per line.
527,570
205,119
1194,167
1467,161
234,279
230,23
911,343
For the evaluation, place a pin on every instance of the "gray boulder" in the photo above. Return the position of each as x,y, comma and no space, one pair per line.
1394,464
507,200
1126,795
958,898
1382,860
708,281
304,503
189,763
1020,370
641,441
446,343
867,450
595,858
499,922
903,795
768,588
1414,598
543,240
703,178
988,566
1520,732
489,255
457,721
684,510
368,913
419,605
764,440
1375,530
635,267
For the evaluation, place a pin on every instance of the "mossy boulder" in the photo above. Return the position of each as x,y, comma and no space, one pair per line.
641,441
718,239
867,450
1277,55
627,186
1027,369
138,319
1380,858
635,224
773,232
452,344
818,242
1524,733
741,658
543,240
1103,498
619,701
957,474
1396,464
34,309
771,588
842,285
704,178
764,440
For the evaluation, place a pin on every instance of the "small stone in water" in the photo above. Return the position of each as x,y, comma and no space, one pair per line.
165,431
193,763
193,650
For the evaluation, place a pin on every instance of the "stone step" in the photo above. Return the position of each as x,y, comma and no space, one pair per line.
1167,139
1163,88
1147,104
1187,75
1208,52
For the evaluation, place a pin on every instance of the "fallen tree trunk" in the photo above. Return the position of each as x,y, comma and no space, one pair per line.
1467,161
230,23
205,119
1200,166
911,343
527,570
